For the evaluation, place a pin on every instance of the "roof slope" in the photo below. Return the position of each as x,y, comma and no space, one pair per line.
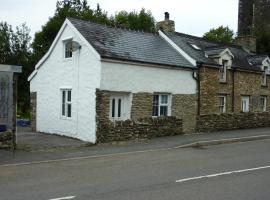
116,43
240,59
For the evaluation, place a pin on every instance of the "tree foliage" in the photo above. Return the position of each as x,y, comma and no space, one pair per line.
15,49
220,34
143,20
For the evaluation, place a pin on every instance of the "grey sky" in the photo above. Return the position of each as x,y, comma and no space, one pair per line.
191,16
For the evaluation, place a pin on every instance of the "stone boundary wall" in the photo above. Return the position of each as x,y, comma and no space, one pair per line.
229,121
6,140
33,114
138,127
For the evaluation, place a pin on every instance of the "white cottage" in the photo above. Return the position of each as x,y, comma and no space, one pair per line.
100,83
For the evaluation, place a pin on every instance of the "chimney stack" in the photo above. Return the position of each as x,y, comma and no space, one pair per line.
168,26
248,42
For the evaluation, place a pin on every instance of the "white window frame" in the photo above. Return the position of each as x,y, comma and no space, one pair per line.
263,103
161,104
245,103
222,107
66,103
66,42
223,71
119,112
264,77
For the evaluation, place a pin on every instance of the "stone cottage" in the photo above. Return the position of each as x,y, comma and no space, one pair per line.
99,83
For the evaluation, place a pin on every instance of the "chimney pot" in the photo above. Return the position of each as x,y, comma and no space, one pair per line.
167,16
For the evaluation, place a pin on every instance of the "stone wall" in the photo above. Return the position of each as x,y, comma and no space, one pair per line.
141,105
211,88
184,106
229,121
6,139
141,125
249,84
245,83
33,114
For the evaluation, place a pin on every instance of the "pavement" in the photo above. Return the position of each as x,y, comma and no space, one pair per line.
37,147
223,172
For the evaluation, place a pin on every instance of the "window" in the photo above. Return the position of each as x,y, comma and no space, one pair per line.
161,105
223,70
245,103
68,49
222,104
264,77
195,46
263,103
119,107
66,103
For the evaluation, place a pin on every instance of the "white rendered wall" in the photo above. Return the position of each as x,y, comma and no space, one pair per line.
82,75
134,78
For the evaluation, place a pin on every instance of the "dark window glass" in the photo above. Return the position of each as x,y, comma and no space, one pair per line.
69,96
63,103
113,107
155,105
119,107
163,110
68,50
69,110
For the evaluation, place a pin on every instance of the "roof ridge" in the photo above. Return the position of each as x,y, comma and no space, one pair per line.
111,26
207,40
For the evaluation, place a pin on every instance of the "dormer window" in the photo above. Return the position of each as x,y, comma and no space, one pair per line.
68,49
223,71
264,77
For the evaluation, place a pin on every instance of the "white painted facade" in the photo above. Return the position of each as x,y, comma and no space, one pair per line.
81,74
125,77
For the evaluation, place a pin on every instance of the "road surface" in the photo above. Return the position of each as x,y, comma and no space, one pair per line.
232,171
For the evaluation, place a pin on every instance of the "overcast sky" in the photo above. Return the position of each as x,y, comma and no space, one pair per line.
191,16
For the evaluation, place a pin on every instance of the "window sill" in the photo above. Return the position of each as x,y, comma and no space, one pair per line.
67,59
222,82
264,86
66,118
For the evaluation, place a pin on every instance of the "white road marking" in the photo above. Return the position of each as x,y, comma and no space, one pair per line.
64,198
221,174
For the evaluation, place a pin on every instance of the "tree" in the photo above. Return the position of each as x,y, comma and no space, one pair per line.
15,49
136,21
220,34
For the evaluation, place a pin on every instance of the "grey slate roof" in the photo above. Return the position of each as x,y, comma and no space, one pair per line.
212,48
256,59
116,43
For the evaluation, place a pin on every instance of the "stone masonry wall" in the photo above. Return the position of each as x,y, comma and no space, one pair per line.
141,125
184,106
141,105
33,114
245,83
229,121
211,88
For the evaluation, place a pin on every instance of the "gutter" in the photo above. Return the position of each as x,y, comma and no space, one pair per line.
198,79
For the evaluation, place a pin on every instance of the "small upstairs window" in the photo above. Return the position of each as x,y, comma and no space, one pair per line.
223,71
68,49
264,77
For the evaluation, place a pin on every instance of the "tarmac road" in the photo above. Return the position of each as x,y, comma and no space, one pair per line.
230,171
